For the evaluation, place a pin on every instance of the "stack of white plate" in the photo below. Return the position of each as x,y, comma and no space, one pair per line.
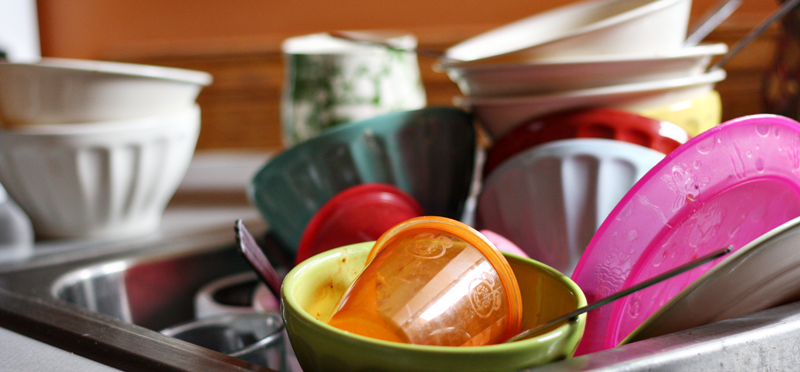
625,54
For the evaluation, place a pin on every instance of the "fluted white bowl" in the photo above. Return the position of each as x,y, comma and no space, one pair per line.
550,199
98,179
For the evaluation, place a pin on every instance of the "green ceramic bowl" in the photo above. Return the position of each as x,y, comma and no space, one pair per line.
427,153
312,289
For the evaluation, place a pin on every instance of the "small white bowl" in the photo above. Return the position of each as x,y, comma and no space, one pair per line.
500,115
584,28
109,179
244,285
56,90
549,200
558,75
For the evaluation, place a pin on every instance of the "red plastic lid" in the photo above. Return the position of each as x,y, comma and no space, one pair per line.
358,214
605,123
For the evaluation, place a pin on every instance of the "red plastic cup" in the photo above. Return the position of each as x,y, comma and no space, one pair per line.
358,214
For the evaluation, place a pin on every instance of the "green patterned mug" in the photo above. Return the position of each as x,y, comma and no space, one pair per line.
330,81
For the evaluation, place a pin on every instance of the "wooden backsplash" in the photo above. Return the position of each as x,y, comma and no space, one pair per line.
241,108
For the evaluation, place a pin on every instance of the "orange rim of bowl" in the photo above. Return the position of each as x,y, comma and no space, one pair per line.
477,240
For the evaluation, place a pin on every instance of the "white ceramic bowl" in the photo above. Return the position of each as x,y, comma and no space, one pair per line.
584,28
109,179
549,200
56,90
247,291
558,75
500,115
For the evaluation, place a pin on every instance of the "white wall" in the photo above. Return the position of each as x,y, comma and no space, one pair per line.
19,30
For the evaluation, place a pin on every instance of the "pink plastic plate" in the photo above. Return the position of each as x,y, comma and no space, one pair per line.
727,186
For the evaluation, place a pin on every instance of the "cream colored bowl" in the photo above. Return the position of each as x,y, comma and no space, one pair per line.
57,91
109,179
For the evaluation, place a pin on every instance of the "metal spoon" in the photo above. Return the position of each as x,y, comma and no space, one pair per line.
257,259
777,14
669,274
710,20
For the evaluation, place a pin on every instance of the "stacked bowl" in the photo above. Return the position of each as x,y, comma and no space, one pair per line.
94,149
626,54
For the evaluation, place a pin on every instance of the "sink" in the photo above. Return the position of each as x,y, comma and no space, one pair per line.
107,300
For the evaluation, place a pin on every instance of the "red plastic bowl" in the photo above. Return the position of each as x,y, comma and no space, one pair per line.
605,123
358,214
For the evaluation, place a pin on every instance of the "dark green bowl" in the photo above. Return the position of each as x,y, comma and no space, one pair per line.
428,153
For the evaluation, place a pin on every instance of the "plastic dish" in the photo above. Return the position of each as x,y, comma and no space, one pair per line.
695,115
477,79
550,199
427,153
58,91
725,187
361,213
312,289
605,123
765,272
106,179
501,115
433,281
584,28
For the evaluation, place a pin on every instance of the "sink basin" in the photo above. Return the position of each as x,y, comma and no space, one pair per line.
107,302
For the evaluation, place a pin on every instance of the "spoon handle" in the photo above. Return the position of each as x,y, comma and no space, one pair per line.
710,20
777,14
669,274
257,259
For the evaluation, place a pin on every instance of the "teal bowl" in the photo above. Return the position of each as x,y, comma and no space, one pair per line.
312,289
428,153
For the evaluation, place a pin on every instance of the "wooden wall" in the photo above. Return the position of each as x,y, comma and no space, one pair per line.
238,41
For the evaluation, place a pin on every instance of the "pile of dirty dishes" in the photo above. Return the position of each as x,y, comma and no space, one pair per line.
96,149
624,54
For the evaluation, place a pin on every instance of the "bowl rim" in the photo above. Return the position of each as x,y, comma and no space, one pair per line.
710,77
116,68
647,7
696,52
175,119
289,304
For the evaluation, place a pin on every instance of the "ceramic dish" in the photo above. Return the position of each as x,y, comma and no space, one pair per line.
763,274
311,291
550,199
427,153
557,75
725,187
584,28
106,179
500,115
58,91
605,123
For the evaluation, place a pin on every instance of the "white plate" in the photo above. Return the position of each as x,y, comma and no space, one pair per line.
763,274
558,75
585,28
501,115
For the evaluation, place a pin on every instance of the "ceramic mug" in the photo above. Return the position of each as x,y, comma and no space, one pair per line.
330,81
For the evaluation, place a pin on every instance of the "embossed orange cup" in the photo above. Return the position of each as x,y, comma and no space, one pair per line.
433,281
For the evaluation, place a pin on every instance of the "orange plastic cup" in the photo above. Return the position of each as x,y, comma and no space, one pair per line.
433,281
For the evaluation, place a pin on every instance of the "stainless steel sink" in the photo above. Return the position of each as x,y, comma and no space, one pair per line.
107,302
